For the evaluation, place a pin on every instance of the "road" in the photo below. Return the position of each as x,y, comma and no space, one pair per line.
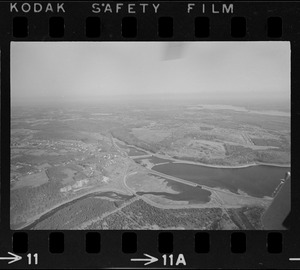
183,181
173,178
194,184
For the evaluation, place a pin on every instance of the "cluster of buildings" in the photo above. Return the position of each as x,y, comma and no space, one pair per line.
78,184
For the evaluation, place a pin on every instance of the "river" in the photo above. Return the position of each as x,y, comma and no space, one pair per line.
110,194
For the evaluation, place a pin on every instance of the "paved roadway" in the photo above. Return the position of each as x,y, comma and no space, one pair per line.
174,178
183,181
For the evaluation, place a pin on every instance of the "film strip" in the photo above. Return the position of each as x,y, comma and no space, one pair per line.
150,134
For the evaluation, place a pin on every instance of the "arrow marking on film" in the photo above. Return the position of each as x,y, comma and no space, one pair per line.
12,259
148,260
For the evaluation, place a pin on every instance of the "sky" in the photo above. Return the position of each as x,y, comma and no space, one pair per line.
58,71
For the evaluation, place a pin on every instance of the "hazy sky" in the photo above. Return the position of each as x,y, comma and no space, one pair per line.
56,71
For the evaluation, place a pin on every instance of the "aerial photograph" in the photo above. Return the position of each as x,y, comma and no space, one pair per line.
150,135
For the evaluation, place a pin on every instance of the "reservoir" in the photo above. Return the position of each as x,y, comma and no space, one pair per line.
157,160
257,181
135,152
193,195
154,160
132,150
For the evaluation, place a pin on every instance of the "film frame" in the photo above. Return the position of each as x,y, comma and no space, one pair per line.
250,21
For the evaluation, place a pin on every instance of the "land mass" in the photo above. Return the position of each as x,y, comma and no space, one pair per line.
92,168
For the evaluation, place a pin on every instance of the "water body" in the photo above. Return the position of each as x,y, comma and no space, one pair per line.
242,109
155,160
121,145
109,194
132,150
187,193
257,181
135,152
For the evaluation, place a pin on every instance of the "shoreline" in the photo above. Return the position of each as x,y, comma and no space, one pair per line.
232,166
202,164
220,166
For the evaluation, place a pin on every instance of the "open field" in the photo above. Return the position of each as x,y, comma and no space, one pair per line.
148,183
32,180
